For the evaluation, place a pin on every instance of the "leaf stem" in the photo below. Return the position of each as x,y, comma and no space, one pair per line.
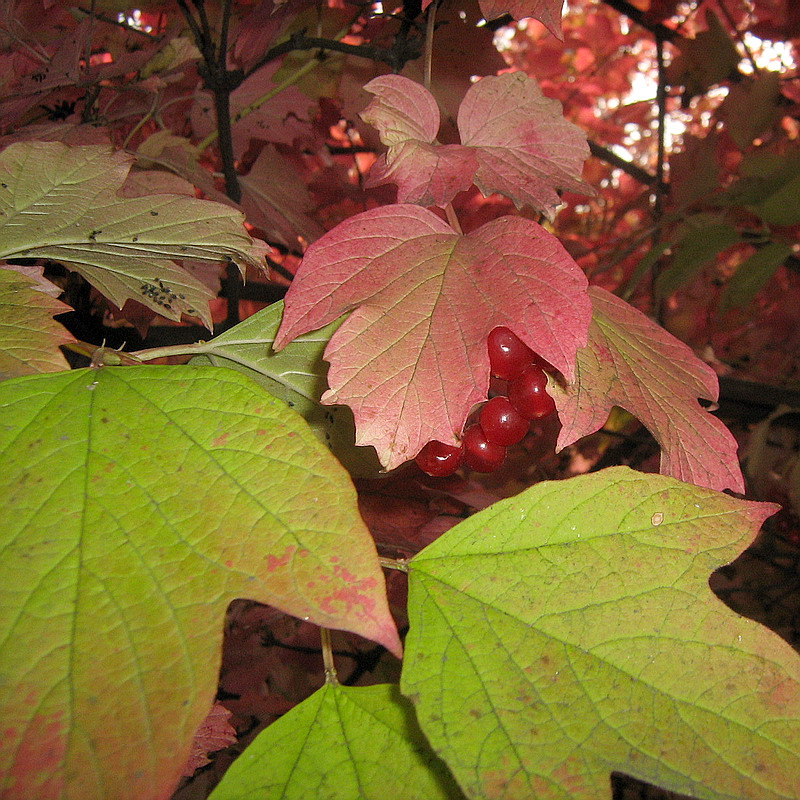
452,218
429,31
400,564
151,353
327,657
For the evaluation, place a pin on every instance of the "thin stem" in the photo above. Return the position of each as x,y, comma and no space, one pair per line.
144,120
658,193
738,34
223,35
111,21
327,657
429,31
152,353
90,36
395,57
400,564
452,218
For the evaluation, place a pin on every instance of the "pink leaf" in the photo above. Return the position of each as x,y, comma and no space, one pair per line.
515,142
525,147
411,360
633,363
407,119
401,110
429,175
548,12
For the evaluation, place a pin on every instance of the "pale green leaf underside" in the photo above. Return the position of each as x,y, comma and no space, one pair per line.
570,632
145,499
29,336
61,203
297,375
341,743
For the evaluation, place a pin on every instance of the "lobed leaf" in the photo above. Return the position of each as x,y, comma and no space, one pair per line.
341,743
123,246
570,631
407,118
634,363
525,148
411,359
145,500
515,141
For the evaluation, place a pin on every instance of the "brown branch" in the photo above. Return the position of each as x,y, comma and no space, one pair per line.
610,157
395,56
640,18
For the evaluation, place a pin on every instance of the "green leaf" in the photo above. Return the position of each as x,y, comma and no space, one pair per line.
768,180
29,336
145,500
62,203
339,744
570,631
783,206
696,249
753,274
297,375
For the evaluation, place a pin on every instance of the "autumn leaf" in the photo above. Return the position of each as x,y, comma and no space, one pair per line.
411,359
275,199
145,500
515,141
29,336
570,632
123,246
526,149
214,734
407,118
342,742
633,363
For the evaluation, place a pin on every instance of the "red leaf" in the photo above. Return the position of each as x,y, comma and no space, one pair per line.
634,363
411,360
525,147
213,734
274,198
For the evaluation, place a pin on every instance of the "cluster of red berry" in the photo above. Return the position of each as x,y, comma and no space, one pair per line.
503,420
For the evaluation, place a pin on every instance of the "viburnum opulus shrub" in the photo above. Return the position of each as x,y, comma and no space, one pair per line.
553,638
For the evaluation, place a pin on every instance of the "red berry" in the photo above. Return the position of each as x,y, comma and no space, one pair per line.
508,354
479,453
439,459
528,394
502,423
